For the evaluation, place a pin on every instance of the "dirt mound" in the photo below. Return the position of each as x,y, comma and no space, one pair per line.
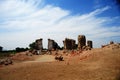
111,46
21,57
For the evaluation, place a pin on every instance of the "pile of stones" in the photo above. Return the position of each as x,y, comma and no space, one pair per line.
6,61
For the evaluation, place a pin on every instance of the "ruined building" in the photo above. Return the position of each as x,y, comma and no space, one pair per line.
90,44
69,44
38,44
81,41
52,45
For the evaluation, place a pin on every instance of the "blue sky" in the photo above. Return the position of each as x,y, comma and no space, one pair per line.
23,21
85,6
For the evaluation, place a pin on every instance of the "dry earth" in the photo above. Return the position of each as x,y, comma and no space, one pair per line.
97,64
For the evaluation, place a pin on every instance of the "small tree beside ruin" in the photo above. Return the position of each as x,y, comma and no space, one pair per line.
18,49
32,46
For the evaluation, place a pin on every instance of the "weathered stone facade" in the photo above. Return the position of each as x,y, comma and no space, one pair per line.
90,43
81,41
52,45
39,45
69,44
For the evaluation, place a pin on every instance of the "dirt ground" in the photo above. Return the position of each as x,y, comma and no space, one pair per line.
97,64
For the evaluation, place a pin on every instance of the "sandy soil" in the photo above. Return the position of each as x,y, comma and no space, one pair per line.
42,58
97,64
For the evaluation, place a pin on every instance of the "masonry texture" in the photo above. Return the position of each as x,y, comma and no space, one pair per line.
90,43
52,45
81,41
69,44
38,43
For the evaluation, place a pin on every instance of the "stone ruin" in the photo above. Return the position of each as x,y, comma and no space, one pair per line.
38,43
90,44
69,44
52,45
38,47
81,41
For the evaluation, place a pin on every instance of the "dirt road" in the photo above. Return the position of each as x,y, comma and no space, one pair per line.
42,58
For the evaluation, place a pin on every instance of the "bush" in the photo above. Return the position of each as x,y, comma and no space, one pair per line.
21,49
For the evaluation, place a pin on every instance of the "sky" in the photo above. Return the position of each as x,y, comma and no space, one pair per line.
24,21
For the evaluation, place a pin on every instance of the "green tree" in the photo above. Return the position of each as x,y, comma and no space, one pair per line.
32,45
18,49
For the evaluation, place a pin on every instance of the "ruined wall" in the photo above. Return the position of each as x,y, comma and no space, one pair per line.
81,41
74,45
90,43
64,43
52,45
69,44
39,45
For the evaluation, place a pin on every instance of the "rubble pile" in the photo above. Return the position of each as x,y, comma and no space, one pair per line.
111,45
6,61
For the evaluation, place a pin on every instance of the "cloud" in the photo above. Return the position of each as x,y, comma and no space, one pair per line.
21,22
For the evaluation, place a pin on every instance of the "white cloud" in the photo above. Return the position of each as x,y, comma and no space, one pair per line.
26,22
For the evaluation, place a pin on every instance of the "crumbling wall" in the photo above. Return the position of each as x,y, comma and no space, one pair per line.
69,44
52,45
38,43
81,41
90,43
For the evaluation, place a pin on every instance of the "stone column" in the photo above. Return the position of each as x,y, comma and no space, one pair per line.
50,44
90,43
81,41
64,43
69,44
39,44
73,44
